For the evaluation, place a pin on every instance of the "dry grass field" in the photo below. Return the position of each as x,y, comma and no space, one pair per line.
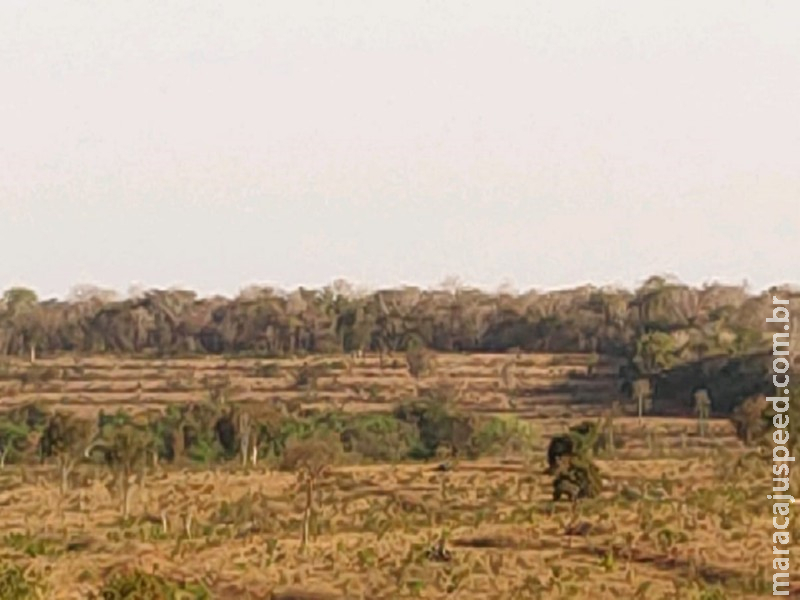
680,516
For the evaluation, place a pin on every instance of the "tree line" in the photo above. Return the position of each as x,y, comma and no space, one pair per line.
213,431
662,322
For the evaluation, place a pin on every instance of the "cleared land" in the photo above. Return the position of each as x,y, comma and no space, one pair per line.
680,516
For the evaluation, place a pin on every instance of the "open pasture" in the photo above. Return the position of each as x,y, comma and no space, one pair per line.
680,516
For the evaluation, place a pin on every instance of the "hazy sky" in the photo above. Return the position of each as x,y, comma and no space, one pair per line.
217,144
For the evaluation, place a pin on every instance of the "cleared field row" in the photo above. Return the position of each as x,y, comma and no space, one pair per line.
553,397
374,526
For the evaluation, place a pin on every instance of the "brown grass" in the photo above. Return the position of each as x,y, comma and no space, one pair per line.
677,518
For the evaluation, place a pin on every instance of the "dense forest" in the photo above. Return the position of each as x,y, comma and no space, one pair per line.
663,322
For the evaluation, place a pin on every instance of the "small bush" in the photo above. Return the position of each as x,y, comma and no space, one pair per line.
136,585
439,426
31,546
419,361
17,584
336,365
313,454
504,435
577,479
307,375
568,457
13,438
32,414
267,370
580,440
206,452
380,437
751,420
37,375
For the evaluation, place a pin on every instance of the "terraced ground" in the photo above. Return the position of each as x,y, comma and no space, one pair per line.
680,517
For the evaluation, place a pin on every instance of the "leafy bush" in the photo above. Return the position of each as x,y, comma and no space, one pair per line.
16,427
18,584
336,365
751,420
577,478
117,419
501,435
136,585
267,370
199,437
307,375
32,546
32,414
380,437
13,439
205,451
568,457
580,440
419,361
439,426
37,375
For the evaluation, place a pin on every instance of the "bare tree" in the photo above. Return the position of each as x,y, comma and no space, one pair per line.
642,393
508,376
702,403
420,362
247,430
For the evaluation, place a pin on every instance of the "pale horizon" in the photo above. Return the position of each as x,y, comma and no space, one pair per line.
545,145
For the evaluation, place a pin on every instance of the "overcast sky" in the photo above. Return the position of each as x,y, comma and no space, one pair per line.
217,144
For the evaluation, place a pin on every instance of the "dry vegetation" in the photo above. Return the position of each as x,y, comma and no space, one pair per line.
680,515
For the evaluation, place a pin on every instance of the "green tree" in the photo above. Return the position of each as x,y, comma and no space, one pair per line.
13,437
125,448
655,351
18,298
569,460
21,308
65,438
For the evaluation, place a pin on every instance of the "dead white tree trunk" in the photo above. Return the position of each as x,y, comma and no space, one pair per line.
245,431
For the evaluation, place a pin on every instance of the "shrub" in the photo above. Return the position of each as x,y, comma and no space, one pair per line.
419,361
336,365
65,438
117,419
577,478
438,426
504,435
307,375
580,440
13,438
267,370
380,437
32,414
136,585
568,457
751,420
205,451
37,375
17,584
198,426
